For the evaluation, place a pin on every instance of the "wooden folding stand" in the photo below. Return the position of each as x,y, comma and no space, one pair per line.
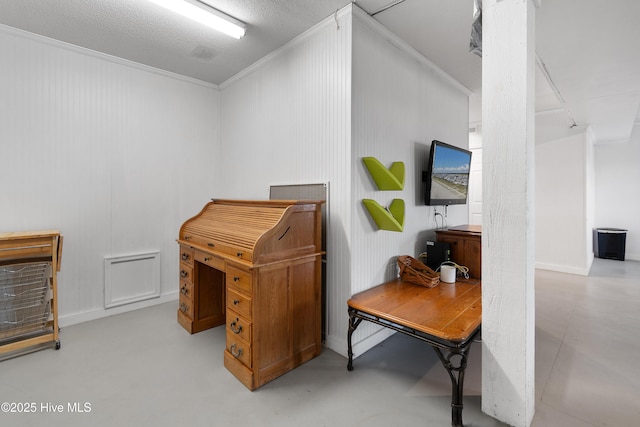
29,262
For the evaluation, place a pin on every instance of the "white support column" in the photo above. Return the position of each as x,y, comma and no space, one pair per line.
508,250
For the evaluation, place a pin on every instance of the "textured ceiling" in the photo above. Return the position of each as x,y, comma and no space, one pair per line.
144,32
589,47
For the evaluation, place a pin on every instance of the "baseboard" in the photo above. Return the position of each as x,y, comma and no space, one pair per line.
73,319
339,344
580,271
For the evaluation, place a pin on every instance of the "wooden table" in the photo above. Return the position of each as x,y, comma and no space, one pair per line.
448,317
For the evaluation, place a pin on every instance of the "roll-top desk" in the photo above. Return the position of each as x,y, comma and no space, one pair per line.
255,265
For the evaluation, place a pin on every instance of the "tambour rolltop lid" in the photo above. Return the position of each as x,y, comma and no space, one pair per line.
235,227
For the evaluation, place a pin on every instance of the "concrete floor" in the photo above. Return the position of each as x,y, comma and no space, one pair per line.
142,369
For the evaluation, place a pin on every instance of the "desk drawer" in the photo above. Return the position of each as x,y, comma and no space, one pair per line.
239,348
238,326
186,306
186,273
186,255
186,289
210,260
239,303
239,280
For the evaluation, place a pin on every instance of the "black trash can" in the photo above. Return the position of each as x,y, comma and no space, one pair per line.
609,243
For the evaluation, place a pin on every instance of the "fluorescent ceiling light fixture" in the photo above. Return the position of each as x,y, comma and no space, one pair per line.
205,15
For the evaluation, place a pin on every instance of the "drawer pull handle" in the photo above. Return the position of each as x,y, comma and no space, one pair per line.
234,328
184,290
239,254
236,278
206,259
187,237
236,301
184,307
235,351
183,274
185,256
210,245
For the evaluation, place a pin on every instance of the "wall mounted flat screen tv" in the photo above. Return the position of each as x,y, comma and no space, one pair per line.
447,178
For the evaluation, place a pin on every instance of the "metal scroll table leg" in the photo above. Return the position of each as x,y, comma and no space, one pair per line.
353,324
455,362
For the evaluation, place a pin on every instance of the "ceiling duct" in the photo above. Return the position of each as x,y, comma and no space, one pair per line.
475,45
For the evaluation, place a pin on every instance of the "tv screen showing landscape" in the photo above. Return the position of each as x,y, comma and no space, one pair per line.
448,175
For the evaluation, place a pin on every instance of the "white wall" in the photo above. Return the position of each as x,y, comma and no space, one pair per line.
400,104
564,203
308,114
617,174
286,120
113,154
580,185
117,155
475,175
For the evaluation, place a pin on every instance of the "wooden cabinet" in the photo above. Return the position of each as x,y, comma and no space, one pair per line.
256,266
466,247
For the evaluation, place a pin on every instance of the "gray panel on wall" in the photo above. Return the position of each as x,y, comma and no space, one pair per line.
304,192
